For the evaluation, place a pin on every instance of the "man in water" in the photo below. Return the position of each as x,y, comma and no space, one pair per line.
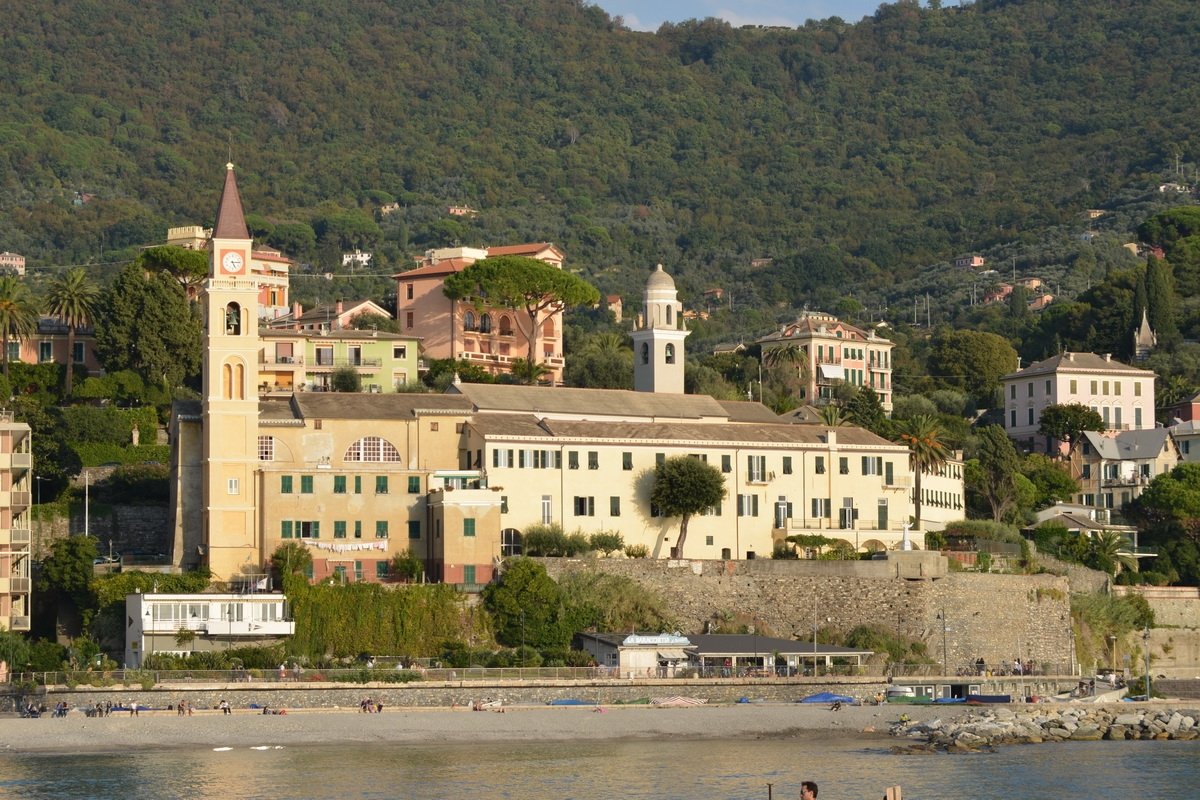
808,790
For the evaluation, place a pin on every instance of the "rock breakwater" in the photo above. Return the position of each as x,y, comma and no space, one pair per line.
986,728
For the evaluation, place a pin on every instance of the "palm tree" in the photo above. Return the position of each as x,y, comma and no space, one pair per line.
529,372
72,299
18,313
832,416
926,450
1109,551
607,342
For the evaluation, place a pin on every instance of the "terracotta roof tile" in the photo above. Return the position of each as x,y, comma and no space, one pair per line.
231,220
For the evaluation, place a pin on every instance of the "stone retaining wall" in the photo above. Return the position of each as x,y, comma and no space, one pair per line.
996,617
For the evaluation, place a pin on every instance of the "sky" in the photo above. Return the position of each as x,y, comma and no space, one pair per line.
648,15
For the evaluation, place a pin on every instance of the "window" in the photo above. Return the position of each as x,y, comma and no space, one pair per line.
502,458
414,484
1047,388
670,348
1029,389
469,574
77,353
233,486
358,484
510,542
821,507
889,474
485,323
408,291
1012,418
572,459
503,504
843,465
626,461
381,567
381,529
756,469
747,505
547,509
301,529
872,465
883,514
339,529
1116,387
593,459
1117,418
819,465
614,506
468,527
468,321
414,529
1030,415
399,351
371,448
306,484
1137,417
285,484
381,484
727,464
408,320
585,506
1104,385
266,448
358,529
1087,471
1137,389
1094,387
1012,392
285,529
339,484
787,465
1074,387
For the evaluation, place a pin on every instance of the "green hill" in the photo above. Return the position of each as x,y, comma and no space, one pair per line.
849,154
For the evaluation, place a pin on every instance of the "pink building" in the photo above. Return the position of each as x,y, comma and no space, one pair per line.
492,338
972,261
326,317
835,352
49,345
12,262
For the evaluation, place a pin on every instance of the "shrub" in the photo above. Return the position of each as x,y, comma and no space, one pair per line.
637,551
544,540
607,542
576,544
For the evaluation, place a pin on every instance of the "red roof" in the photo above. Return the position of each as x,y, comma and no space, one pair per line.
530,249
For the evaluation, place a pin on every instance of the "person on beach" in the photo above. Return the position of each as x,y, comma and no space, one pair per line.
224,706
133,708
808,790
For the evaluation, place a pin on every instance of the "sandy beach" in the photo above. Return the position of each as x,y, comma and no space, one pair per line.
165,729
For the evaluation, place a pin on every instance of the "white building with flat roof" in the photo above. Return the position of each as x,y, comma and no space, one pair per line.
181,624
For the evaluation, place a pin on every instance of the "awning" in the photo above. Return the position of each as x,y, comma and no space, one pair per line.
672,655
833,371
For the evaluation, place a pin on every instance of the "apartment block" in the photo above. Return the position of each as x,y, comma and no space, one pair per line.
16,476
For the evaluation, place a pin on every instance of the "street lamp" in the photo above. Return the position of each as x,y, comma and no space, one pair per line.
1146,650
1112,640
945,664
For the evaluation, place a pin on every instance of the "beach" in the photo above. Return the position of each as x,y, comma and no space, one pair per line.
208,728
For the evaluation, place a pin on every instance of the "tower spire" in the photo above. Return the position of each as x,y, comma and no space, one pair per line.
231,220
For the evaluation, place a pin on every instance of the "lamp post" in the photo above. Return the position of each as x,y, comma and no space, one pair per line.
1146,650
147,635
37,479
945,663
87,481
1112,640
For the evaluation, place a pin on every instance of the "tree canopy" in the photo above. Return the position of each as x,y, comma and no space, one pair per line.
1066,422
684,486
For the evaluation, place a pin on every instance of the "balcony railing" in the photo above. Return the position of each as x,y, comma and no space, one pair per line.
18,585
19,623
291,361
333,363
20,536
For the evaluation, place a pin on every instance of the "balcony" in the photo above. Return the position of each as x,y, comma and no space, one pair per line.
19,623
17,501
271,359
322,364
218,628
15,536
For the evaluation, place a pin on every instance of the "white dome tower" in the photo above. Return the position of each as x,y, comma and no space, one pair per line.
658,341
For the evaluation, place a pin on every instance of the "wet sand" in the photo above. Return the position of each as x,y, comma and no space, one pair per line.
244,728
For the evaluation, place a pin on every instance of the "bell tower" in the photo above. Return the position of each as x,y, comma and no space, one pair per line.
658,339
230,401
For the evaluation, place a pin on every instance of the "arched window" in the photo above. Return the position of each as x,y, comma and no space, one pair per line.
468,321
485,323
548,327
227,381
239,381
510,542
670,315
233,319
670,354
645,353
505,326
371,448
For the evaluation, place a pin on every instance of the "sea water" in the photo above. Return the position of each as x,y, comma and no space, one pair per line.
662,769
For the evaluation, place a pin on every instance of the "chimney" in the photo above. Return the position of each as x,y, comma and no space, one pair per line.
831,437
1108,356
296,311
338,307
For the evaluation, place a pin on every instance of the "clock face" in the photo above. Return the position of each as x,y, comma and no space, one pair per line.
231,262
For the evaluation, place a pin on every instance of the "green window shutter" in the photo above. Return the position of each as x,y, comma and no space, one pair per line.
358,484
316,529
308,571
285,484
339,484
306,484
381,529
468,527
381,569
414,529
339,529
381,484
358,529
286,531
414,484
